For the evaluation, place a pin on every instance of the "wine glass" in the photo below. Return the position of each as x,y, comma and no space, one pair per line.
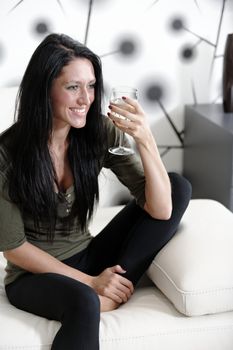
116,97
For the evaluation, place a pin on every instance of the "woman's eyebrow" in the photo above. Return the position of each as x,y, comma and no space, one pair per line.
80,82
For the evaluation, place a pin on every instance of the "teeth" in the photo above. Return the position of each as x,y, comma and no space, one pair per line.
78,110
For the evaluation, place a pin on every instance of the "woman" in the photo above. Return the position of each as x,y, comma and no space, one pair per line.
50,160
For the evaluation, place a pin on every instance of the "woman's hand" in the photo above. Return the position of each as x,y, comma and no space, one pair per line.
112,285
135,123
157,184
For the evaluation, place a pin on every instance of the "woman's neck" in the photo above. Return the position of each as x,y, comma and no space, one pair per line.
58,142
58,147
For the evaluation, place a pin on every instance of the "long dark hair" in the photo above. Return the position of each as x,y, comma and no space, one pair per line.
31,183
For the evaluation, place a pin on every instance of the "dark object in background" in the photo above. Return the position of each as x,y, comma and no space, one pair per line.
228,75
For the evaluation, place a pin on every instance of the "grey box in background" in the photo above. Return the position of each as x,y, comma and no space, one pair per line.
208,152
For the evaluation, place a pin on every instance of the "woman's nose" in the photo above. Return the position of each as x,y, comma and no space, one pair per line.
83,98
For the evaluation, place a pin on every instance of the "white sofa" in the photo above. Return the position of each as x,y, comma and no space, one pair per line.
186,303
195,269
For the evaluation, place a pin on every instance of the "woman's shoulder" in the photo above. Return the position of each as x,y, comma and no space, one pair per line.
106,122
5,157
112,133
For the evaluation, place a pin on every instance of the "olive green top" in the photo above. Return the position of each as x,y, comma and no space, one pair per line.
15,229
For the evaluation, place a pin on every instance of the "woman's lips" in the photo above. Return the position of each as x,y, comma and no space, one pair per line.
78,111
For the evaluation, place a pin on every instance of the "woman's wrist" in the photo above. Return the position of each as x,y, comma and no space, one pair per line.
147,144
82,277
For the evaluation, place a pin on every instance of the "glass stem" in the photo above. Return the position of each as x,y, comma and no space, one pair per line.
121,139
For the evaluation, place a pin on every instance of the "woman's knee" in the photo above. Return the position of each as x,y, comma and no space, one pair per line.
91,300
84,299
181,189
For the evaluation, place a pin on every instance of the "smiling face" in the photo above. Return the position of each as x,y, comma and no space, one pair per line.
72,94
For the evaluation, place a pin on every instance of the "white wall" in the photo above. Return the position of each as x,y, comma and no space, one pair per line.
156,62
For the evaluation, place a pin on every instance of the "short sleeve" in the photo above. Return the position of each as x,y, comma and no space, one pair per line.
12,233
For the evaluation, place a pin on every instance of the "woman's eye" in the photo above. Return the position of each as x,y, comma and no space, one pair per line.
92,86
73,87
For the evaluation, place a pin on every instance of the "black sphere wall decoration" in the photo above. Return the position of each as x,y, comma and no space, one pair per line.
154,92
188,53
127,47
177,24
41,28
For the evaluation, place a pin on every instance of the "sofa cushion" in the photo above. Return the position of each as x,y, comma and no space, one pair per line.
195,269
146,321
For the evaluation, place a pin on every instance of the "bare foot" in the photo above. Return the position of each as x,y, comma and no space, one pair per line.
107,304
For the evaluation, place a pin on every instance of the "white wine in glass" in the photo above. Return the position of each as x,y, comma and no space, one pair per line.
116,98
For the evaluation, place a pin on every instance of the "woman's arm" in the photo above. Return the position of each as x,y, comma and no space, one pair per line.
157,187
35,260
109,284
157,184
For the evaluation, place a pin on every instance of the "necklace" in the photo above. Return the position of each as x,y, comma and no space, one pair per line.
65,202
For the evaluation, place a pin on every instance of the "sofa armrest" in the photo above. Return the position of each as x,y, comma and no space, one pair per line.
194,270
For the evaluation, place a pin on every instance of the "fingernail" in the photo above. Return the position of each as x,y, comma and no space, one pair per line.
108,114
123,97
110,107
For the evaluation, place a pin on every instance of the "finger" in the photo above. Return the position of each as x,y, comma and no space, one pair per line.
124,282
117,298
124,106
123,296
114,297
118,268
116,293
121,291
121,122
126,292
129,285
119,113
134,103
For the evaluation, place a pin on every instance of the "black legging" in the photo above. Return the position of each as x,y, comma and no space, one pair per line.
131,239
